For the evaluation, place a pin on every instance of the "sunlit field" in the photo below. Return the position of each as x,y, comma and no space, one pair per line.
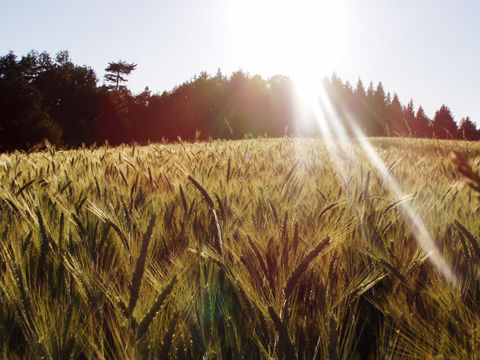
254,249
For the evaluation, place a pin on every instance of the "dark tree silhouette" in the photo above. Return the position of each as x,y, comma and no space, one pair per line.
378,111
444,126
359,106
468,130
23,122
423,125
114,123
409,119
395,120
115,72
52,98
70,94
59,99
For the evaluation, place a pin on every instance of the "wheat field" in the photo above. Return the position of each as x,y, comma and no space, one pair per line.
254,249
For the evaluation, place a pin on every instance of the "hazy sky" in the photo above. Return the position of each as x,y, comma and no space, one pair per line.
428,50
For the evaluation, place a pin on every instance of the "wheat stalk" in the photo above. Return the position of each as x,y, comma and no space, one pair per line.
300,269
140,267
148,318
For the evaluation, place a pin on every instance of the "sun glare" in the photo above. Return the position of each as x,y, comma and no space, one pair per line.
299,39
295,38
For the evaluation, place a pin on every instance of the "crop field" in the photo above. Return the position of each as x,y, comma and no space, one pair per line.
254,249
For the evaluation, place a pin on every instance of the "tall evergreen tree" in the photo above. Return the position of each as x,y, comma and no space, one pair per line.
444,126
379,111
409,118
359,110
395,121
423,125
468,130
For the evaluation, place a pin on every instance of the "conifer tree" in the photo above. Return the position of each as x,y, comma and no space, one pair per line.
468,130
379,111
359,108
423,125
396,123
409,118
115,72
443,124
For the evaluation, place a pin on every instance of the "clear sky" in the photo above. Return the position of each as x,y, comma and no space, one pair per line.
428,50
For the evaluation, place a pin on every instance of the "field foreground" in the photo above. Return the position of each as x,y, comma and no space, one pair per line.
255,249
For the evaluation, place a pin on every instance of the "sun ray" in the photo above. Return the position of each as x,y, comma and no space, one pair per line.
332,131
411,216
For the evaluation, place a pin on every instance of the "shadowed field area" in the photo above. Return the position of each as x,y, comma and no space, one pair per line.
253,249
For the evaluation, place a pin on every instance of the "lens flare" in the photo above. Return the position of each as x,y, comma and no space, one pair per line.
337,143
413,219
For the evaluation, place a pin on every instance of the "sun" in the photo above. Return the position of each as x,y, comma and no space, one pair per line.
297,38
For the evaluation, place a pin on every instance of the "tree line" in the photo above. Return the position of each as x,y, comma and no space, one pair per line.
379,114
51,98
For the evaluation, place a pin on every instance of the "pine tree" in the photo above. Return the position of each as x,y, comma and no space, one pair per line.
468,130
423,125
443,124
359,110
115,70
379,111
409,118
396,123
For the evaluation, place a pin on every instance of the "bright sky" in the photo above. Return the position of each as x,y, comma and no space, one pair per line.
427,50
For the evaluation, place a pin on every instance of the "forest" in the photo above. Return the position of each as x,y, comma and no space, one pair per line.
45,97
